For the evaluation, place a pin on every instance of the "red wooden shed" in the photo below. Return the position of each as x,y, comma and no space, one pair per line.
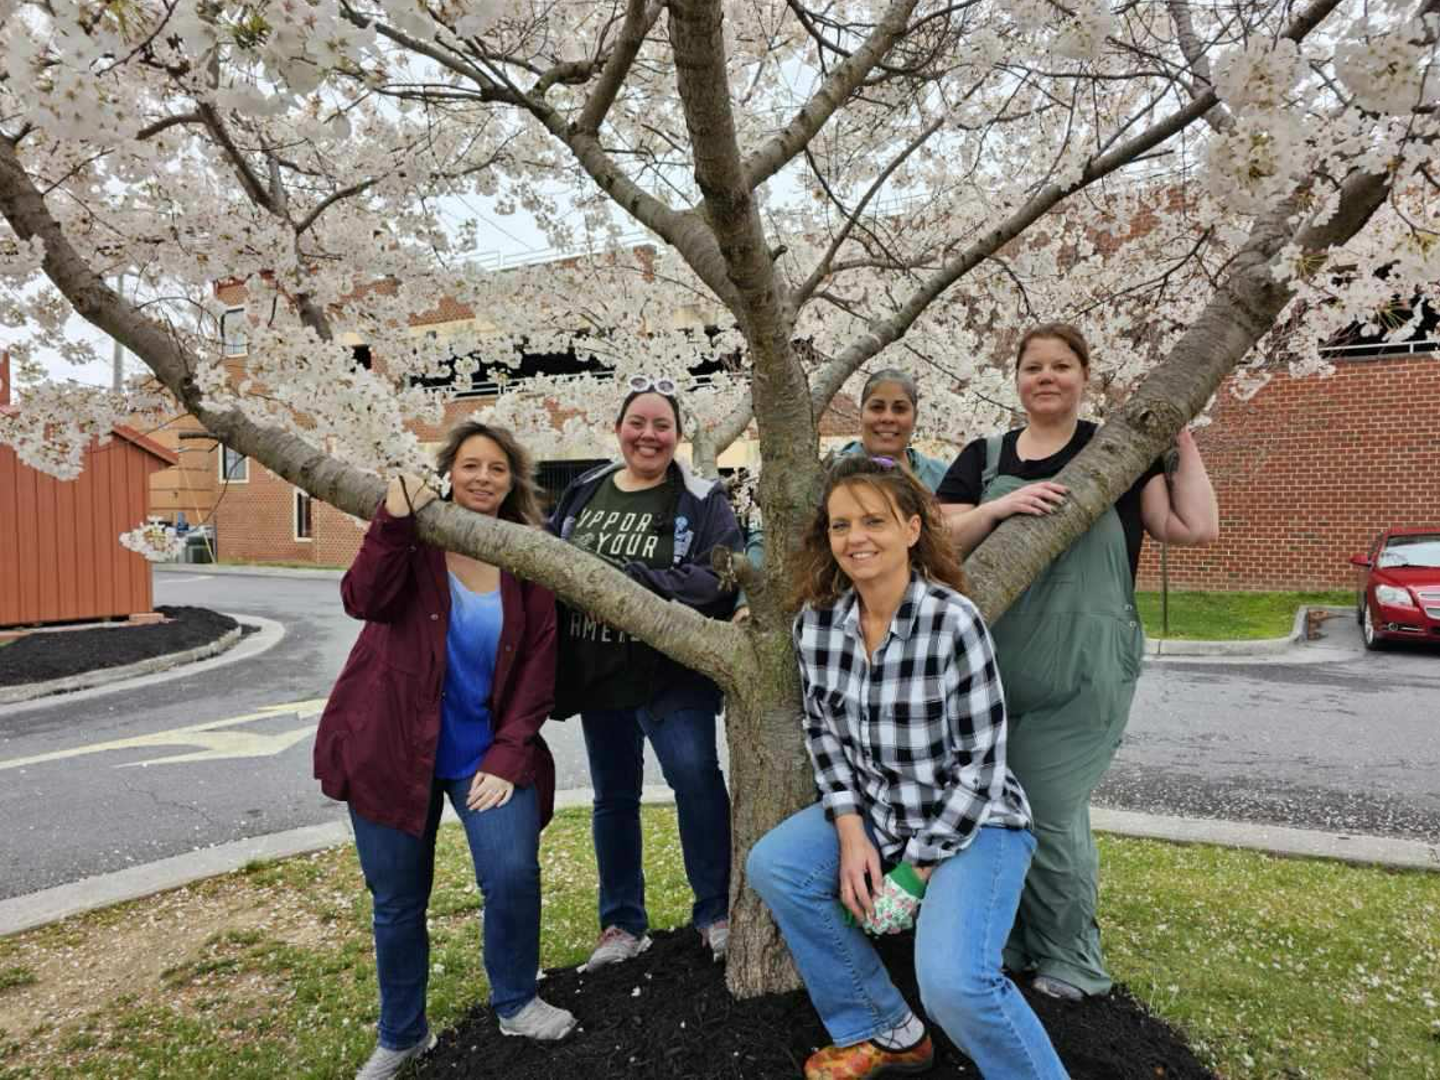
60,556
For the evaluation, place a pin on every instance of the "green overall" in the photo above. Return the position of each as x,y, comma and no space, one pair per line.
1069,651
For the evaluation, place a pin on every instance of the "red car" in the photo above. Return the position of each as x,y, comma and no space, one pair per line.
1400,597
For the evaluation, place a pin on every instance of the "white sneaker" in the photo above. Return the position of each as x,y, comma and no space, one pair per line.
384,1064
539,1020
614,946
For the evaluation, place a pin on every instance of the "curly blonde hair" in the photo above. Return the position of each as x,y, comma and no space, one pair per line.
819,581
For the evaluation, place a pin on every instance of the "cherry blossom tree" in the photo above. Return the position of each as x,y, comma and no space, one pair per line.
827,187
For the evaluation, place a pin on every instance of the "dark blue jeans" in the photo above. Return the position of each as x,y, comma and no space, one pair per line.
399,870
684,743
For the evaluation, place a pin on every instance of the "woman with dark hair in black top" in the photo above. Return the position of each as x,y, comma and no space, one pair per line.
651,517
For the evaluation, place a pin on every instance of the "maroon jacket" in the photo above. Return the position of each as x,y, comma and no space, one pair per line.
375,747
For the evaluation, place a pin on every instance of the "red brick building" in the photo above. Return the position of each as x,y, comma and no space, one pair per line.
1309,470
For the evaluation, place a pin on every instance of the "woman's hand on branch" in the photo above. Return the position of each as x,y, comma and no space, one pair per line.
407,494
1041,497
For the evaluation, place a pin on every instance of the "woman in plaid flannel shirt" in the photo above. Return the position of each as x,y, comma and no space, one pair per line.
920,823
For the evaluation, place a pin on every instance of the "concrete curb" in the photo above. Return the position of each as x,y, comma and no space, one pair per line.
105,676
1177,647
26,912
1276,839
269,635
22,913
206,569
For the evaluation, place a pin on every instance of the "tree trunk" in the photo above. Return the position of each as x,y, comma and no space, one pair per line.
770,779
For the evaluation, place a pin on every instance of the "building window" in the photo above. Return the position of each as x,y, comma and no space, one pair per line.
233,338
234,466
304,516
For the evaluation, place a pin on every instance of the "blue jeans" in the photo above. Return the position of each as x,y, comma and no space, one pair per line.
961,929
684,741
399,869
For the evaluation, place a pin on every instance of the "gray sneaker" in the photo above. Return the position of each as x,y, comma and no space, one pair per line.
384,1064
717,936
1056,988
539,1020
614,946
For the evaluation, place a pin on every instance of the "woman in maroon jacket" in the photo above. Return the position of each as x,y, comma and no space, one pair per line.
444,695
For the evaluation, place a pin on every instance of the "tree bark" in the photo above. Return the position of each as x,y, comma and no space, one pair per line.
771,779
769,775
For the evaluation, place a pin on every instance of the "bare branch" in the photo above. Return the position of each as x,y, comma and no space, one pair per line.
640,17
252,184
827,260
833,92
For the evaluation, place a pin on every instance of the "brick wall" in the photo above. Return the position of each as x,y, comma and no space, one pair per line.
1309,470
255,522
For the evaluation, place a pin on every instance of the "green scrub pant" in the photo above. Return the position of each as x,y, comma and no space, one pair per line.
1069,652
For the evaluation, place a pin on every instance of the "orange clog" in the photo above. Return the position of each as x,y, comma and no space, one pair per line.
865,1060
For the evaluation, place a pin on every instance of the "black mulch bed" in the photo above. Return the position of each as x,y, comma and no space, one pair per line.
59,654
683,1025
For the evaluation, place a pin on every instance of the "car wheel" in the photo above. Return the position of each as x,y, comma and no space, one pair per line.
1373,640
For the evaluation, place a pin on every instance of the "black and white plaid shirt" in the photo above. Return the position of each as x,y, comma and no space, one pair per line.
914,737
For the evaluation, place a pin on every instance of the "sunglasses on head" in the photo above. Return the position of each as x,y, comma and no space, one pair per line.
643,384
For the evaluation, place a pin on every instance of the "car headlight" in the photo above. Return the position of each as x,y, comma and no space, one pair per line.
1394,596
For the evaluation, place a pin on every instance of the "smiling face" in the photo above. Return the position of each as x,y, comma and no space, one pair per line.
481,477
647,434
1050,379
887,420
868,538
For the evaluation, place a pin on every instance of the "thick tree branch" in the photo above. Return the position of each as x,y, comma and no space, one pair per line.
713,647
1243,309
846,77
788,434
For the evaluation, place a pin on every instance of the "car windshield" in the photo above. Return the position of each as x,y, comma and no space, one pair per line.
1412,551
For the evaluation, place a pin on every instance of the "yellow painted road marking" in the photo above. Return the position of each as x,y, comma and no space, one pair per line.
213,742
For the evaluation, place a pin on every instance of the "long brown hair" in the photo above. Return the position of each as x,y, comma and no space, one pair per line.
522,504
819,581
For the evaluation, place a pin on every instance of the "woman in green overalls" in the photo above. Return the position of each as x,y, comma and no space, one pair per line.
1069,649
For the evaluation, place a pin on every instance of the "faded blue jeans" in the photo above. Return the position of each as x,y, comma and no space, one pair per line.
399,869
964,920
684,743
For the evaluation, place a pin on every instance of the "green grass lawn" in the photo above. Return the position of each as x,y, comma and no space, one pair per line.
1274,968
1221,616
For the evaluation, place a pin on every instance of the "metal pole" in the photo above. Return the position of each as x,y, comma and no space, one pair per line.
117,377
1164,589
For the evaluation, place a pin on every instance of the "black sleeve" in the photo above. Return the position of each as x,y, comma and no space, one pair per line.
962,479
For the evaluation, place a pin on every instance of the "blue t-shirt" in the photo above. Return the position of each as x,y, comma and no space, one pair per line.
471,643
